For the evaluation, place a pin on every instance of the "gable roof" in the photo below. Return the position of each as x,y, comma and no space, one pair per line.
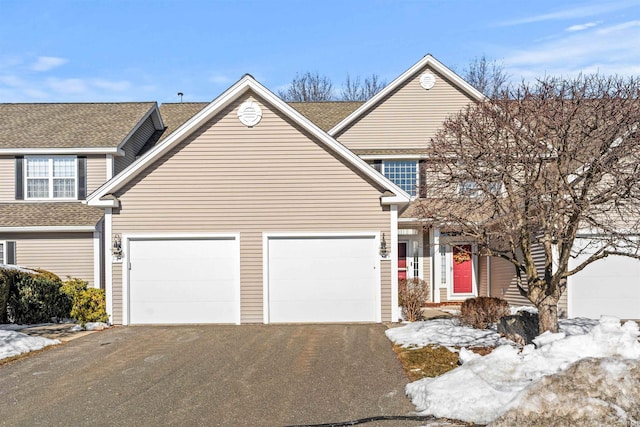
245,84
71,127
427,60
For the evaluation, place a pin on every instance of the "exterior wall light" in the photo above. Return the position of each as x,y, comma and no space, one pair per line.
384,251
116,248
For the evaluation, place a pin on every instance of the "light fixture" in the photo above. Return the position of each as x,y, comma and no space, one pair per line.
384,251
116,248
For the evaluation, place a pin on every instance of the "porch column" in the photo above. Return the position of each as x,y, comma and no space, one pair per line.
434,240
393,230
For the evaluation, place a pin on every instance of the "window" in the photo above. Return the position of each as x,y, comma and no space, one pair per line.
51,177
403,173
472,188
7,252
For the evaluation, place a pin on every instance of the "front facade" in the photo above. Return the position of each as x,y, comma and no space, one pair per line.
243,210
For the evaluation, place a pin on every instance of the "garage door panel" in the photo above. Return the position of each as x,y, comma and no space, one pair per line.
183,281
323,279
610,286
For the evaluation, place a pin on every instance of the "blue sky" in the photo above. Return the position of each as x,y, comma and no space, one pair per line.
72,51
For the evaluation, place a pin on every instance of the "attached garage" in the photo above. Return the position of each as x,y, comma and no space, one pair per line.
610,286
183,280
322,278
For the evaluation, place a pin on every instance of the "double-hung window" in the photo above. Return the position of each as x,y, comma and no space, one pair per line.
51,177
7,252
403,173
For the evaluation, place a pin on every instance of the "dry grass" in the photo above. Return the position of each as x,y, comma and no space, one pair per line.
430,361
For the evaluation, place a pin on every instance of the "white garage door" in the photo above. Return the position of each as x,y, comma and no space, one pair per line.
610,286
323,279
183,281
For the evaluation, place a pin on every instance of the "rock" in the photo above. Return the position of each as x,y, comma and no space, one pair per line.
521,328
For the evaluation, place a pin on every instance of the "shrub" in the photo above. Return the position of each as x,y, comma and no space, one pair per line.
88,304
412,293
481,312
35,297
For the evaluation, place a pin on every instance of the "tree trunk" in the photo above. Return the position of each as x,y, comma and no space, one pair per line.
548,315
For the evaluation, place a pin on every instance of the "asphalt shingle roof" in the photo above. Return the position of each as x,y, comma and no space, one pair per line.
326,114
71,214
68,125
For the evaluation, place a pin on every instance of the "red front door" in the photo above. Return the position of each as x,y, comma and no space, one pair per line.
402,260
462,270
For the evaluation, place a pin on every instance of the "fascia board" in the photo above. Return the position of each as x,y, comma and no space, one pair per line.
428,60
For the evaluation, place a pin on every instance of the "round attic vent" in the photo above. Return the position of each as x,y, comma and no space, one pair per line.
427,80
249,113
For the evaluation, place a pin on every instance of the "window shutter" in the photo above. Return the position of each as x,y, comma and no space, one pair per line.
19,178
11,253
422,179
82,178
377,165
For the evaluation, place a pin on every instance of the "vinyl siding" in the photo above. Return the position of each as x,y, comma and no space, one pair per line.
483,287
65,254
503,282
7,178
96,172
270,178
407,118
133,146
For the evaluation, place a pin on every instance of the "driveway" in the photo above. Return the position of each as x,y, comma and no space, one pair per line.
263,375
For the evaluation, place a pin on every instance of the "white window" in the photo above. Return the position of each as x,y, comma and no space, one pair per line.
51,177
403,173
7,252
473,189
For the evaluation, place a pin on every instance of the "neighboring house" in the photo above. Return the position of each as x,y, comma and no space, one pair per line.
243,210
51,157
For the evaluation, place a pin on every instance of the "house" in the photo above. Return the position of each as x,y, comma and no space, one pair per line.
242,210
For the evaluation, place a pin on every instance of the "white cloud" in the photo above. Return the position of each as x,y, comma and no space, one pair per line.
575,12
68,86
608,50
46,63
581,27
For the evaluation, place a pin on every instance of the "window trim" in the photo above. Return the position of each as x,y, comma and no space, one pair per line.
50,178
3,258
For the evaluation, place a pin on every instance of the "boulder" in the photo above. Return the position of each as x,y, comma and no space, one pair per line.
521,328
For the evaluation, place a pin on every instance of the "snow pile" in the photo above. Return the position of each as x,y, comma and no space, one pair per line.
480,390
90,326
13,343
591,392
444,332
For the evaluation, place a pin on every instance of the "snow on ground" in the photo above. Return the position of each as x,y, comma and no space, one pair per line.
482,388
13,343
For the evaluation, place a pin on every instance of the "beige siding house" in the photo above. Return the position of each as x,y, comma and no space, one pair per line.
303,218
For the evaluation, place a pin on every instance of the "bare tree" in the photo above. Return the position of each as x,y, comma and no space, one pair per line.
357,90
308,87
314,87
489,77
537,167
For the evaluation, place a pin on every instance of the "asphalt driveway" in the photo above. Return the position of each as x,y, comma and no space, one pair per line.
263,375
